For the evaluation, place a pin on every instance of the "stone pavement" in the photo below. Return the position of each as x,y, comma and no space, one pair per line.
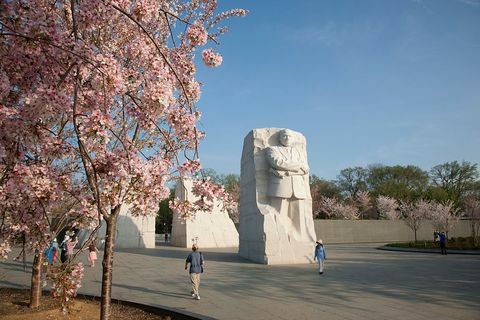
360,282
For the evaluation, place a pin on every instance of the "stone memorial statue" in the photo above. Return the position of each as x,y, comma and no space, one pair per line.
276,223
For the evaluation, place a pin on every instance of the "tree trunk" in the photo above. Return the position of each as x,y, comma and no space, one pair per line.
107,265
36,283
415,235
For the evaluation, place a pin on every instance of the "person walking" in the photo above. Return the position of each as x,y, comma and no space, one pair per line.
63,253
92,252
320,255
443,242
195,259
56,250
67,246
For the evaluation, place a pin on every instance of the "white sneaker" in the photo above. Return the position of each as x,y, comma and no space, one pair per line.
193,295
197,297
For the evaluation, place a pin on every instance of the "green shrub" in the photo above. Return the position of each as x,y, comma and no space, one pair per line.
460,243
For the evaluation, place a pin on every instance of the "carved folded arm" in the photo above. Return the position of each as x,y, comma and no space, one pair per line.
279,162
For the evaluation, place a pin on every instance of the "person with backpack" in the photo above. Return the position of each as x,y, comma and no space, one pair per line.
195,259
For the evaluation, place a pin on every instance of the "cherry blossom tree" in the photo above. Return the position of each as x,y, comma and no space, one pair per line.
472,213
388,208
348,211
32,215
412,215
102,93
339,210
328,205
363,202
444,215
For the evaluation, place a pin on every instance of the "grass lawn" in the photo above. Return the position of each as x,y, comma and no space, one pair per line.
459,243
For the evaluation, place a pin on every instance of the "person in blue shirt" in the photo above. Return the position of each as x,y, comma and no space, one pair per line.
443,242
195,259
320,255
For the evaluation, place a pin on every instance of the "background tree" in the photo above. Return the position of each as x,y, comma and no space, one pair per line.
412,215
231,183
456,179
352,180
406,183
363,202
338,210
328,206
444,216
437,194
319,189
163,220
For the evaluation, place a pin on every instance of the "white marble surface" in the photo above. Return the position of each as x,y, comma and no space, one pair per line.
131,232
208,229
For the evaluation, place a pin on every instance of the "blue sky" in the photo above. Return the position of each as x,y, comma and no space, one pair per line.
366,81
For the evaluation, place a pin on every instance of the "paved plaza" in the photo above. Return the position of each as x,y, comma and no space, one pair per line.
360,282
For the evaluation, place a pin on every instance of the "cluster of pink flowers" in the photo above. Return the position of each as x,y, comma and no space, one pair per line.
148,185
183,124
444,215
190,167
85,215
184,208
472,209
66,280
230,13
211,58
197,34
95,127
193,90
412,214
339,210
388,208
207,194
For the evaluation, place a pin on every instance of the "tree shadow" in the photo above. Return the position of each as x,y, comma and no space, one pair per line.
16,266
171,252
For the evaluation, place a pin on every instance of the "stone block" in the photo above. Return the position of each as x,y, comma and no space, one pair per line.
208,229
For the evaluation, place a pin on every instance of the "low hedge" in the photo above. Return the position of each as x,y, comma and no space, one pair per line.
460,243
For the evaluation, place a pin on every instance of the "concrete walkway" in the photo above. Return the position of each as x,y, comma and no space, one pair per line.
360,282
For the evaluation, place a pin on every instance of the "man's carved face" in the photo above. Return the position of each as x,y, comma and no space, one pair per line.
286,138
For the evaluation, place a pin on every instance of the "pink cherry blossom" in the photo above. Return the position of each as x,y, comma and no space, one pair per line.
211,58
388,208
197,34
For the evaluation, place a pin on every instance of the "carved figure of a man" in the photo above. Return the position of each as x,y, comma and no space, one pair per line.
288,185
